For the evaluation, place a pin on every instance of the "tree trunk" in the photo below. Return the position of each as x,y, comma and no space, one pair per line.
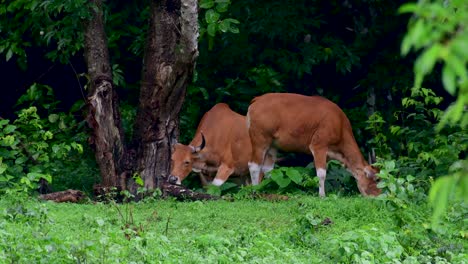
168,64
103,115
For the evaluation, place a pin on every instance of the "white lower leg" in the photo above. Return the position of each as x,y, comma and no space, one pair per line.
254,169
217,182
321,174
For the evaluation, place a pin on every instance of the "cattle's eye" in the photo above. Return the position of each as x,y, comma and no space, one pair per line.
186,163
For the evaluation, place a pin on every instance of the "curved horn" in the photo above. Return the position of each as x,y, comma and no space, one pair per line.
371,156
202,145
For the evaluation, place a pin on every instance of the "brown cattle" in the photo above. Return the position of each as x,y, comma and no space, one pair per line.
308,124
221,145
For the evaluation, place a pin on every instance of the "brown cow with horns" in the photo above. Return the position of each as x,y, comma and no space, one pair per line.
307,124
221,145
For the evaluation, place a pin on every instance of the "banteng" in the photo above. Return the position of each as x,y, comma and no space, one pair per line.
221,145
308,124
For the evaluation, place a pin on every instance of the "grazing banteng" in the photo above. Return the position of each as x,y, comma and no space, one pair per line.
308,124
221,144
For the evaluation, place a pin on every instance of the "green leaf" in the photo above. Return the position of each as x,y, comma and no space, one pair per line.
234,29
211,16
439,195
232,20
406,45
382,185
206,4
21,160
4,122
222,7
8,141
448,79
227,186
278,177
224,26
211,29
9,54
138,179
425,63
9,129
294,175
429,58
3,168
214,190
408,8
53,118
457,65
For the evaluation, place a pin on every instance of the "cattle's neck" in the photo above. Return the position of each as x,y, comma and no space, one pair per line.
353,161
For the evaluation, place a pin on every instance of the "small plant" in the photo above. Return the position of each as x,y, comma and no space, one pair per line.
369,245
44,145
289,179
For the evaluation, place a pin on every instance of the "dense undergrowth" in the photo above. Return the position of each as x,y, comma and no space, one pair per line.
302,229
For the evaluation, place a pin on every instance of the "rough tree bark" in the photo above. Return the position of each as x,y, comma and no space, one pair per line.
168,64
169,61
103,115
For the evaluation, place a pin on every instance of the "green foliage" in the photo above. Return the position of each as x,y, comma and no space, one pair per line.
302,229
25,148
400,191
439,30
50,23
35,148
446,188
289,179
368,245
212,22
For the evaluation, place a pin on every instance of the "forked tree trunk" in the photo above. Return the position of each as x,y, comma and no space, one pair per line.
103,115
168,64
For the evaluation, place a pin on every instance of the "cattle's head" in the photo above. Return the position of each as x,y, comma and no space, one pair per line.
368,180
182,160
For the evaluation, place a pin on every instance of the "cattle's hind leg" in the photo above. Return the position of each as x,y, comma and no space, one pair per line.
256,162
260,145
222,175
269,161
320,161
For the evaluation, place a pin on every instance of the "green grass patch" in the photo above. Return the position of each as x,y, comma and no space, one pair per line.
303,229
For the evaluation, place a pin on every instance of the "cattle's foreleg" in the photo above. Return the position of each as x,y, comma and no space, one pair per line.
203,179
222,175
320,161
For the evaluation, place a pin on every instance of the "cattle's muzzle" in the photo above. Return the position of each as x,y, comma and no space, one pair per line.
172,179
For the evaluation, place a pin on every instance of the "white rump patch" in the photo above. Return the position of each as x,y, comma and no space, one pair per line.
217,182
254,169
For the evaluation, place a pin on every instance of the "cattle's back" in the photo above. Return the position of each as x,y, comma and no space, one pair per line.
295,121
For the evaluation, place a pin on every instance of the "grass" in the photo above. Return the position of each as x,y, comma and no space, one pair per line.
242,231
